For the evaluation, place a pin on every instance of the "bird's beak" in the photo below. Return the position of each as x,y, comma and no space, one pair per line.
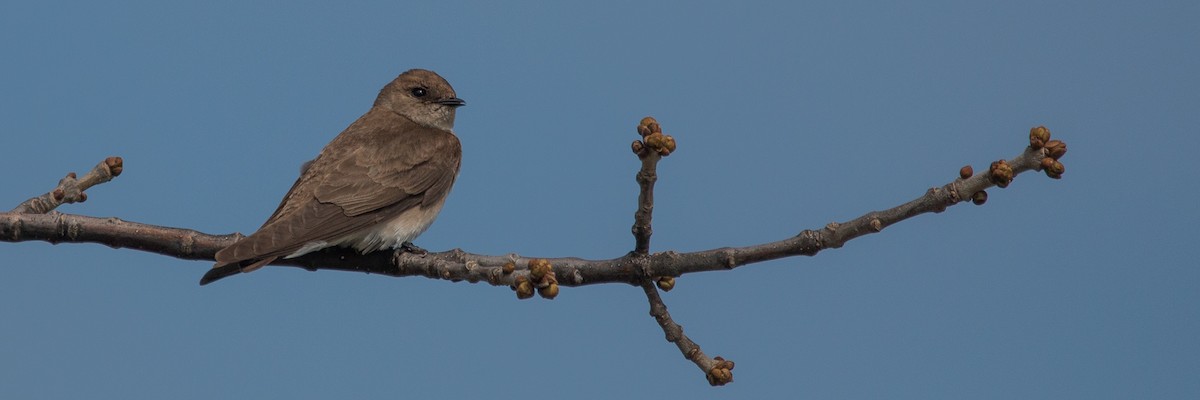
452,102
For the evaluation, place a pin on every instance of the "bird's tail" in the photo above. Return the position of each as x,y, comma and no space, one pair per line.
223,270
220,271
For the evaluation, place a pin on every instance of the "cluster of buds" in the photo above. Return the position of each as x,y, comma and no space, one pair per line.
1039,139
115,165
721,372
541,277
1000,173
653,140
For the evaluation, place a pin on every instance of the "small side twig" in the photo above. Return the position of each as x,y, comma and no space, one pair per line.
70,189
650,150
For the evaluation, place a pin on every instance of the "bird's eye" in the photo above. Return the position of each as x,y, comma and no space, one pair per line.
419,92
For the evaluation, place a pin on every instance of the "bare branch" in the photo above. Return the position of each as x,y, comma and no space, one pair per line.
718,371
651,149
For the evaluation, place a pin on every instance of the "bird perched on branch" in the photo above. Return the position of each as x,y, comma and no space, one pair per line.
378,185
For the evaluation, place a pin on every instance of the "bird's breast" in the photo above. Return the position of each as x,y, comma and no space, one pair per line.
390,234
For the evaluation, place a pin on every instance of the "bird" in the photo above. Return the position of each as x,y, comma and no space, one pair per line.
378,185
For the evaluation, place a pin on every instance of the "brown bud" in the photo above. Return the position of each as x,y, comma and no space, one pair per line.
82,197
647,121
509,267
965,172
637,147
524,288
1038,136
57,194
71,175
668,145
1056,170
654,128
723,363
1047,163
721,372
549,292
115,165
1000,173
538,268
666,283
643,130
656,142
979,198
1056,149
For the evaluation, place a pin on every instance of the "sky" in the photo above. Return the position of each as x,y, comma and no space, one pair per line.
788,116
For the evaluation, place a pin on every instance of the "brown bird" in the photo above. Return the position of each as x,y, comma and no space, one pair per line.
378,185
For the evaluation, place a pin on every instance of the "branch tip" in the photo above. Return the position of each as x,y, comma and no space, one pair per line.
70,188
721,372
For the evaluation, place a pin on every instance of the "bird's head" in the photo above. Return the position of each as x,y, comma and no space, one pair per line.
423,96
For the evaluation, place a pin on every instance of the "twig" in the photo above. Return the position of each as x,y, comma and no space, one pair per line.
651,149
70,189
717,370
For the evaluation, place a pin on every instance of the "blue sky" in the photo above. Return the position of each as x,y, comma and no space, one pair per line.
788,116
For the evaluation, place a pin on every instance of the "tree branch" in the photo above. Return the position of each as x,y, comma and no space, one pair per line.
28,222
70,190
651,149
459,265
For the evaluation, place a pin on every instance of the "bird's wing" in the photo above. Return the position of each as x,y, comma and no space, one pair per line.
423,164
389,172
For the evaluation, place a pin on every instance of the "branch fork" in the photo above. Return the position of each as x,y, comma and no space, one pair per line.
33,220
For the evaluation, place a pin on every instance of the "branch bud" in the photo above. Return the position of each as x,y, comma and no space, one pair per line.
1056,149
538,268
647,121
1055,170
666,283
720,373
549,292
1038,136
523,287
668,145
1046,163
965,172
979,198
654,128
115,165
1000,173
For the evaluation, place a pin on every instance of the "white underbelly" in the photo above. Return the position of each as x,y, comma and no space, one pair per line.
384,235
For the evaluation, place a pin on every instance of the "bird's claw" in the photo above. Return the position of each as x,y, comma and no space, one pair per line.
408,247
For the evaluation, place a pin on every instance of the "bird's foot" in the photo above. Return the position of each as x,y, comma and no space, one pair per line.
408,247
